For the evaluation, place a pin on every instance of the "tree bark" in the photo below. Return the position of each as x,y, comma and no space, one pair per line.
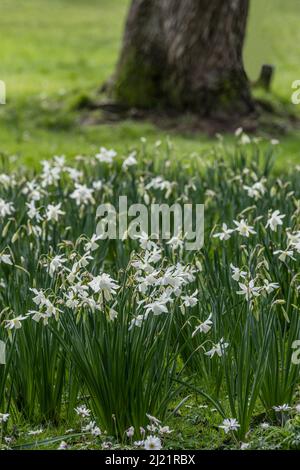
184,55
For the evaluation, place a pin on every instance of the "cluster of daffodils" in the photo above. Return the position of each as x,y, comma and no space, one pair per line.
55,266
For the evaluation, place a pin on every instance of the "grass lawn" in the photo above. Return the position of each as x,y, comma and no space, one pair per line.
55,52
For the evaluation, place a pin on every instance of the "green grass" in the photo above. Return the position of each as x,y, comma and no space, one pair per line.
55,52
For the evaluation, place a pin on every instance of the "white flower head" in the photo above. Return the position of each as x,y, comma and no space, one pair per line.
129,161
4,417
104,283
83,411
249,290
218,349
190,300
225,234
14,323
54,212
237,273
105,155
203,327
229,424
275,220
6,208
82,195
6,259
152,443
243,228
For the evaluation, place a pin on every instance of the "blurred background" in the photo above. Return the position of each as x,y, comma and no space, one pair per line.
55,54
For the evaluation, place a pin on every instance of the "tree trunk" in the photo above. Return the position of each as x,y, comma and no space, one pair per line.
184,55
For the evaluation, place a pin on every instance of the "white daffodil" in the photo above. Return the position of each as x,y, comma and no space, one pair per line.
105,155
144,282
14,323
190,300
269,287
4,417
6,180
54,212
144,241
33,212
56,263
50,175
33,190
82,195
274,220
74,174
92,245
113,314
40,298
176,242
203,327
249,290
137,321
157,307
6,208
97,185
243,228
218,349
129,161
92,428
104,283
96,431
6,259
225,234
284,254
237,273
256,191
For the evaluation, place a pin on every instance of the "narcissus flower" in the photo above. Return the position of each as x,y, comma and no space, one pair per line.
203,327
243,228
6,259
225,234
6,208
218,349
14,323
237,273
4,417
105,155
54,212
274,220
104,283
249,290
